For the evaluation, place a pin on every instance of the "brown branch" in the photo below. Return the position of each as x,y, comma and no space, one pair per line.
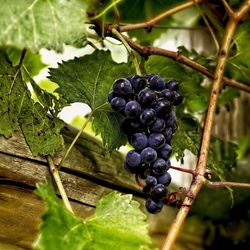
149,24
185,170
199,179
228,9
178,57
227,184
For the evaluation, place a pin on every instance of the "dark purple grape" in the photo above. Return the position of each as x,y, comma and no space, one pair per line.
166,151
137,126
147,97
156,140
133,158
132,109
162,107
154,206
118,103
131,169
110,96
149,76
151,181
168,134
159,192
158,125
126,127
148,116
159,167
172,85
167,94
138,83
157,83
164,179
178,98
139,141
122,87
170,119
148,155
147,190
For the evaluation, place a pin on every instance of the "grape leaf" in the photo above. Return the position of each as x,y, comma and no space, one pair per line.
18,109
32,62
38,23
89,79
117,224
238,65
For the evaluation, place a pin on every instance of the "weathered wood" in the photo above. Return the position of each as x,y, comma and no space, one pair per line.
88,173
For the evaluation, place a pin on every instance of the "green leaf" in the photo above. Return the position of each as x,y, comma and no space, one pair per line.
37,24
31,61
41,132
89,79
238,65
117,224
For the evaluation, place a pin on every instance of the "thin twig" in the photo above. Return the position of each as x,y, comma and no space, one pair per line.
185,170
227,184
216,43
130,51
228,9
149,24
55,173
74,141
22,58
199,179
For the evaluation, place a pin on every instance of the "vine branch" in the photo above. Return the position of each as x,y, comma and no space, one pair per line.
178,57
221,184
149,24
200,170
55,173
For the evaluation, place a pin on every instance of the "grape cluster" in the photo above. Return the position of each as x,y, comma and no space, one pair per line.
146,103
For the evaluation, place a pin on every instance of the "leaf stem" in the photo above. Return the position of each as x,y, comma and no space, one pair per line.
22,58
130,51
55,173
114,3
200,170
221,184
74,141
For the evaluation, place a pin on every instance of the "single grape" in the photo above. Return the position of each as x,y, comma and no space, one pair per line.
154,206
148,155
149,76
178,98
164,179
132,109
168,134
122,87
133,158
139,141
159,192
170,119
110,96
147,190
157,83
156,140
131,169
167,94
159,167
172,85
166,151
151,181
118,103
148,116
138,83
162,107
147,97
158,125
137,126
